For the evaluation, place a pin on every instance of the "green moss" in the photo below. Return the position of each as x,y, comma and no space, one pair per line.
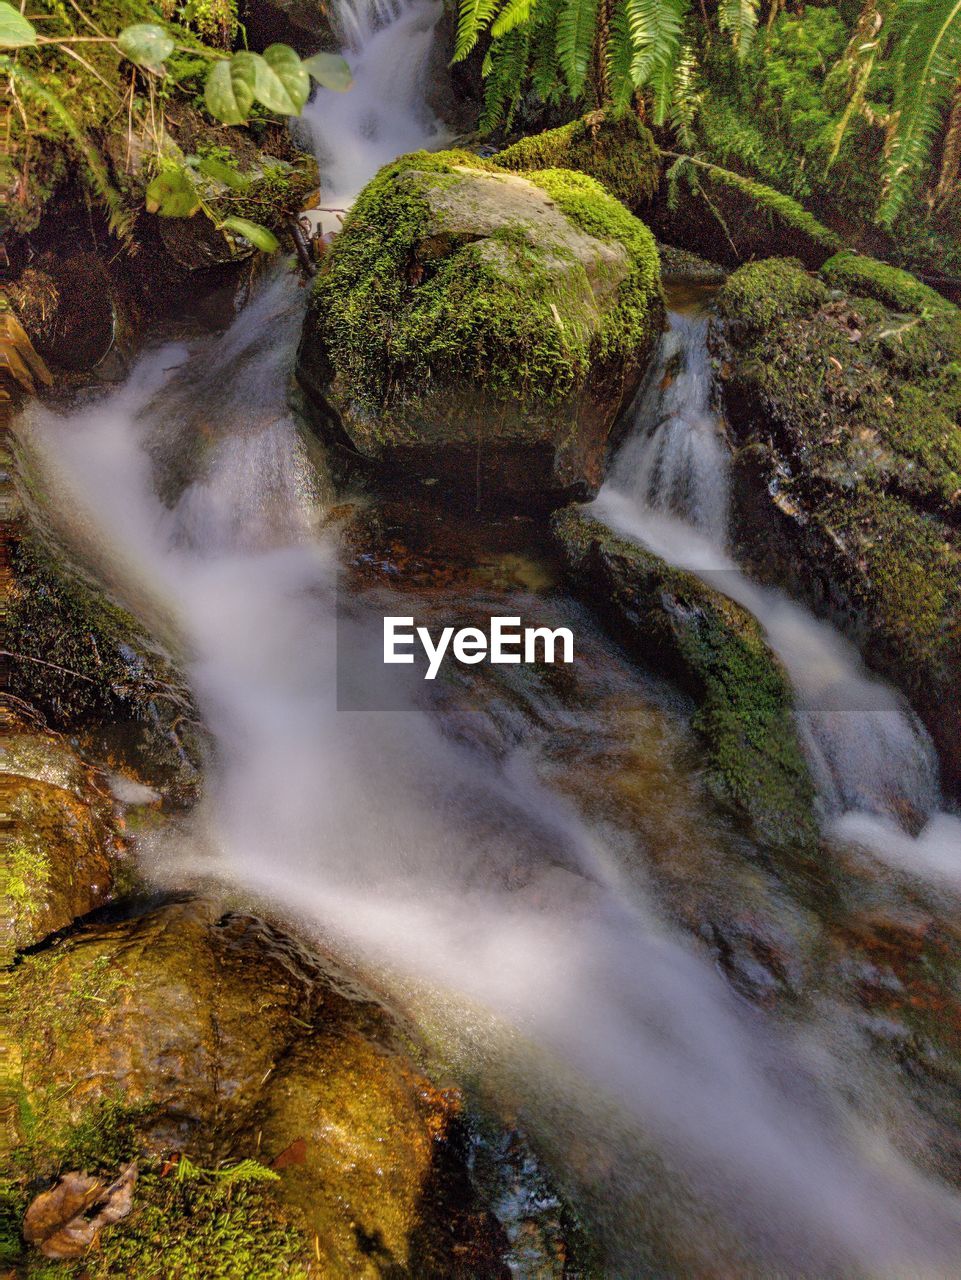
631,324
187,1223
395,318
759,294
619,153
867,277
717,652
77,655
912,582
13,1205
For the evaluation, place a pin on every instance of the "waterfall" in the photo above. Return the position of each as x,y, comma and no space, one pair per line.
469,892
871,758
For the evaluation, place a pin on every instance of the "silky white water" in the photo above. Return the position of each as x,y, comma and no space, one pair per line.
470,892
668,489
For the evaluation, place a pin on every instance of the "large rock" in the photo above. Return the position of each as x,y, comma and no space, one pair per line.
844,396
58,839
221,1038
482,328
672,621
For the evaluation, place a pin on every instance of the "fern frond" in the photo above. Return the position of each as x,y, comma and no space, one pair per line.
545,79
738,18
619,54
514,15
949,177
858,61
655,27
505,80
927,61
576,22
686,100
474,17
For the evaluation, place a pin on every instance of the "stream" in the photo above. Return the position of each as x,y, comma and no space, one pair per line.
525,868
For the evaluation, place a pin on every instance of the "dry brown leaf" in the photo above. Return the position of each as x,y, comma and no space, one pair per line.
296,1153
66,1221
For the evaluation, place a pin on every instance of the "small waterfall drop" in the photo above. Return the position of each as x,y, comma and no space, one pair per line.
872,760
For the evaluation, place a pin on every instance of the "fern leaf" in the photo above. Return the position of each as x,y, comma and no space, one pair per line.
619,55
544,72
655,27
949,177
739,19
685,101
505,80
927,60
514,15
576,23
474,17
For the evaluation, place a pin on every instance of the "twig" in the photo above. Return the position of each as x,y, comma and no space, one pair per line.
25,657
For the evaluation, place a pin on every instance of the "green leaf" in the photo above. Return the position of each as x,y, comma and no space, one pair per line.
16,32
258,236
576,24
281,82
473,19
221,171
514,15
146,44
926,71
172,195
229,93
330,70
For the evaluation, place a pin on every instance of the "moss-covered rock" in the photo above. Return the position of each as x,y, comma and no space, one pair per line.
57,841
675,623
847,411
482,328
73,651
217,1037
731,219
864,277
619,152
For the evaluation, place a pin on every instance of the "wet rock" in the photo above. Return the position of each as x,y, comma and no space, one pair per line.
844,398
75,653
227,1040
619,153
731,219
68,309
481,330
303,24
58,840
715,650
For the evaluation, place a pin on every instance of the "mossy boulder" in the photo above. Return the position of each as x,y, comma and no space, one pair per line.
731,219
58,840
845,405
224,1040
715,650
618,151
482,329
74,652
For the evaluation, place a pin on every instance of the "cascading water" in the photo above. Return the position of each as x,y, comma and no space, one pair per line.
468,890
872,760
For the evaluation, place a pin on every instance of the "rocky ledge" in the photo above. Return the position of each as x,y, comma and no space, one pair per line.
843,393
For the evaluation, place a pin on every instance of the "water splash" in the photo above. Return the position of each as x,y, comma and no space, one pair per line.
388,46
668,490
